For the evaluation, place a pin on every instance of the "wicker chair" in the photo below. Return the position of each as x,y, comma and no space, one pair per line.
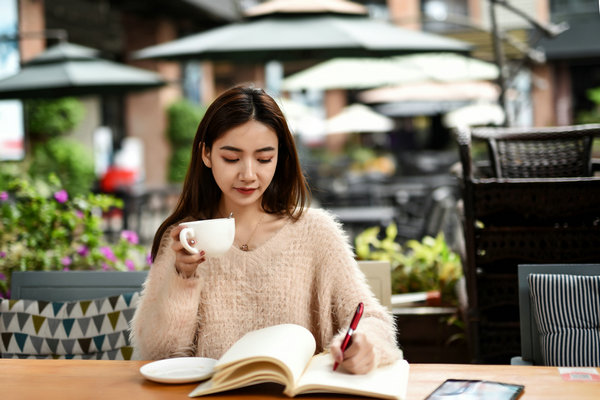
533,200
539,152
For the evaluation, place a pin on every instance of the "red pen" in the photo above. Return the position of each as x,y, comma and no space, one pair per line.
351,329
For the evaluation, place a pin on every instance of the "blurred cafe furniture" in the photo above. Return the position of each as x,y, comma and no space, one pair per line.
70,314
418,204
529,196
61,286
562,303
144,208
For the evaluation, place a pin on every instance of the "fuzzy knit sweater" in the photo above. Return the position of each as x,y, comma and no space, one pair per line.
305,274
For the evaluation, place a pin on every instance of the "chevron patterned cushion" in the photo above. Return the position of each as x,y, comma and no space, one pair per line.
567,313
89,329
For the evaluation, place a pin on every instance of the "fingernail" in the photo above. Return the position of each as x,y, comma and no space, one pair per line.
202,253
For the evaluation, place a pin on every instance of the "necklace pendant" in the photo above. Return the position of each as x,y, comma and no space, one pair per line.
244,247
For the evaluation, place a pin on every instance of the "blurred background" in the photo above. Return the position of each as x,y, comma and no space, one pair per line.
373,124
102,98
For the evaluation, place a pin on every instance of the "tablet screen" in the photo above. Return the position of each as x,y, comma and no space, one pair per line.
464,389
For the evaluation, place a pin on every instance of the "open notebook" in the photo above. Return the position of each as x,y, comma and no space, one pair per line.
284,354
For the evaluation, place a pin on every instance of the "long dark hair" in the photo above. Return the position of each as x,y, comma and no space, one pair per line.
288,192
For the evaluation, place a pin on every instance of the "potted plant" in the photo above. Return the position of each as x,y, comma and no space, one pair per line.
431,331
43,227
428,265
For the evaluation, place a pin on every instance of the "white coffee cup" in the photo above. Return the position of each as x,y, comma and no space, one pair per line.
214,236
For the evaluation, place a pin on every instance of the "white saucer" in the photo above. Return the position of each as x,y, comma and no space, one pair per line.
179,370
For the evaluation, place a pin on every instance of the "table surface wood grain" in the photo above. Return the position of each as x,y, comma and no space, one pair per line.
94,379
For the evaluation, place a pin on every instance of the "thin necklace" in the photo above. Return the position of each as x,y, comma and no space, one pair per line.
244,247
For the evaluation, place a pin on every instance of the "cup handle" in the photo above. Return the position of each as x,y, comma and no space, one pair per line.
183,238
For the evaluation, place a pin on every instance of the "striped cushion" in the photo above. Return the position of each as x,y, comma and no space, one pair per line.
567,313
89,329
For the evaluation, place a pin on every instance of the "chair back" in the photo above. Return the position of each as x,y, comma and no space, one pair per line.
531,351
70,314
539,152
379,277
519,217
74,285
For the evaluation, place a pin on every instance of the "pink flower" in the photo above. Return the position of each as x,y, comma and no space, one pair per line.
149,258
2,277
83,250
66,269
66,261
2,254
130,236
3,196
79,213
108,253
61,196
105,267
130,265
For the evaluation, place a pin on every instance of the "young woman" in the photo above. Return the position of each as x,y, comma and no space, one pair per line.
288,264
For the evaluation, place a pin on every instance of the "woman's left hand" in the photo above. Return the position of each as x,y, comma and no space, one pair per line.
358,358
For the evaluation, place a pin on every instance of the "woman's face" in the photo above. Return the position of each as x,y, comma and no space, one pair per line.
243,163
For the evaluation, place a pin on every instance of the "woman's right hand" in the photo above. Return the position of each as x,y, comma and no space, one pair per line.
185,263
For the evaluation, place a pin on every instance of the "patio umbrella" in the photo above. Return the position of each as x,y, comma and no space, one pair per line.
364,73
284,30
475,115
433,91
301,119
68,69
358,118
351,73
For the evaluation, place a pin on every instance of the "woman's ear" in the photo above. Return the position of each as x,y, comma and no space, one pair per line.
205,155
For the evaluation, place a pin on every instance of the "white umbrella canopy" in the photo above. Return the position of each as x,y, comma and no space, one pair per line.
449,67
352,73
349,73
67,69
301,119
433,91
300,6
357,118
479,114
281,32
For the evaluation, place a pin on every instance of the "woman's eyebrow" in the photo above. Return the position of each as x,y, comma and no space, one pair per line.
265,149
238,150
230,148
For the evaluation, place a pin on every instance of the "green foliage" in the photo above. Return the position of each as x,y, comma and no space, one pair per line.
591,116
422,266
180,160
594,95
370,247
70,160
429,265
51,118
184,117
47,122
42,227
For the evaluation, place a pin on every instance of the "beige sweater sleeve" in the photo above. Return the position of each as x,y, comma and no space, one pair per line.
346,286
166,319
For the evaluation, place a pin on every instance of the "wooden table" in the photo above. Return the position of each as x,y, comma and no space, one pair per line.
115,380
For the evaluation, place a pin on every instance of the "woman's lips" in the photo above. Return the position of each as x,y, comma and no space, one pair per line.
246,190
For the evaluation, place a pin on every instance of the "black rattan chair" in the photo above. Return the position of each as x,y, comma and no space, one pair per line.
539,152
532,199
